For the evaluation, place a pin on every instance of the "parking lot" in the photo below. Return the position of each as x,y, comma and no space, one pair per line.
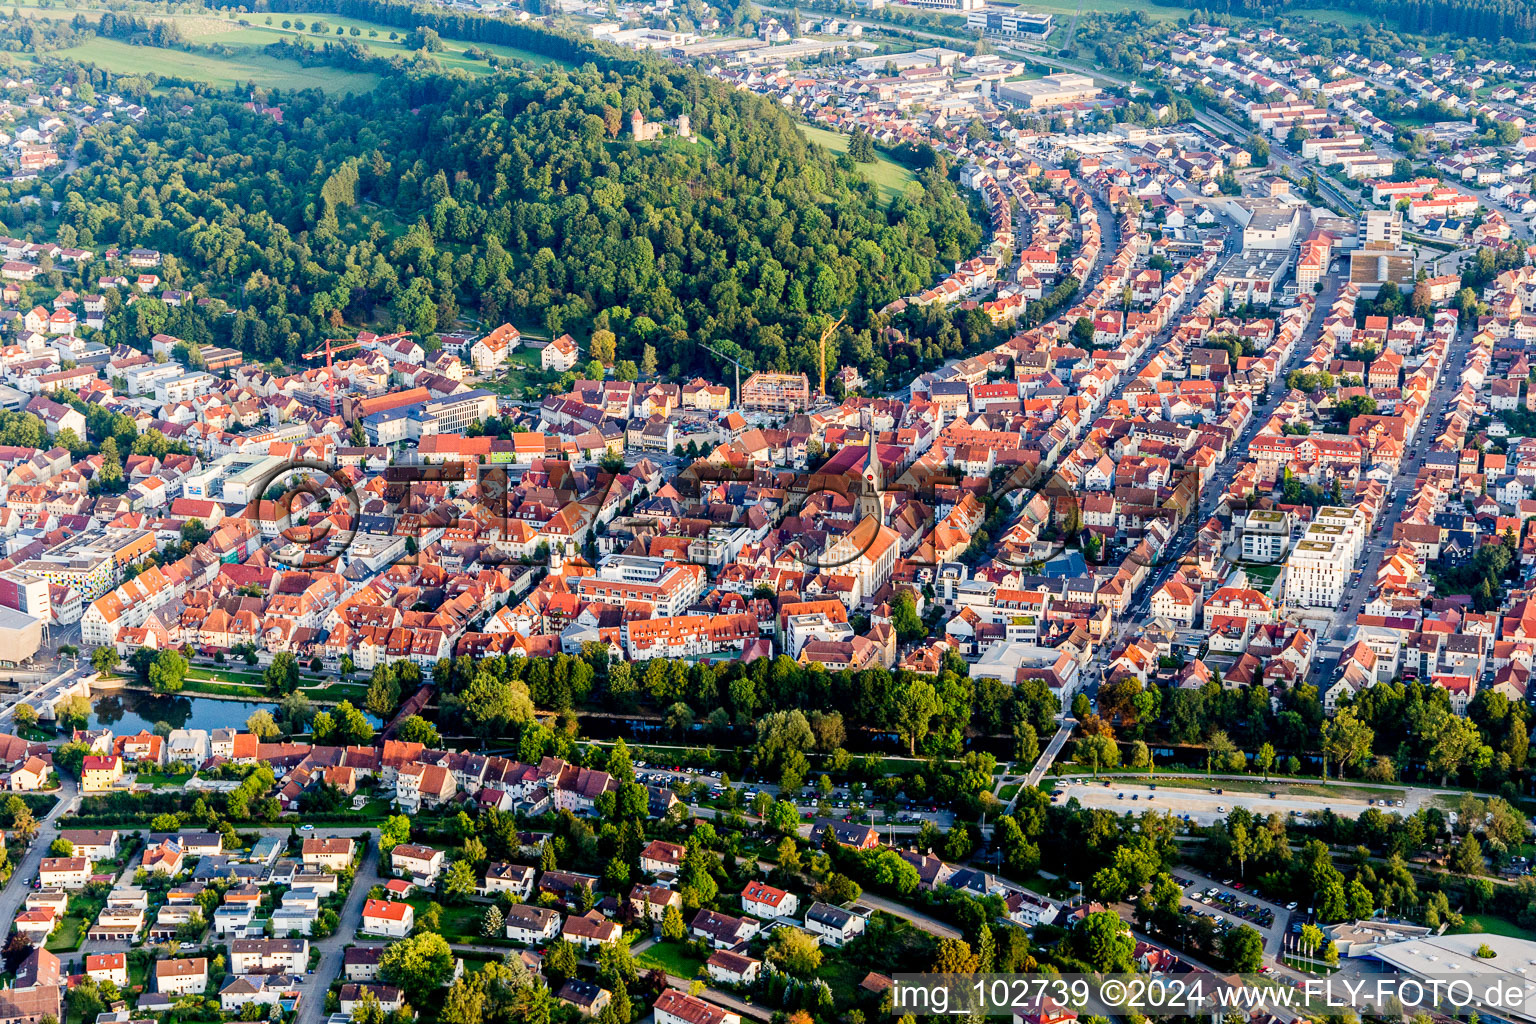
1211,804
1232,902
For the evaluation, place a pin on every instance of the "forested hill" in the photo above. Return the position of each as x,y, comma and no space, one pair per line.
520,194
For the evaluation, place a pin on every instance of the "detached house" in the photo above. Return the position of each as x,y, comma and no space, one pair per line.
732,968
389,918
833,925
762,900
559,355
650,902
334,854
181,977
99,773
590,929
660,857
111,967
722,931
675,1007
421,864
503,877
165,857
64,872
531,925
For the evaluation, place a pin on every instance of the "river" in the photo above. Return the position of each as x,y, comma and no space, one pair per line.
129,711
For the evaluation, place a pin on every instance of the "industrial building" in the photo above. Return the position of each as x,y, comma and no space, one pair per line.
1051,91
1375,263
1009,21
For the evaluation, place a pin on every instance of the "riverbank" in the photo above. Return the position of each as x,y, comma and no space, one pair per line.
325,696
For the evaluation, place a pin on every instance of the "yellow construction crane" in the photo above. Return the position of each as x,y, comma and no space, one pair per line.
824,336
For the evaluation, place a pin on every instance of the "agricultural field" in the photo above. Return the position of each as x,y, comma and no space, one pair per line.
1349,19
230,72
230,54
886,174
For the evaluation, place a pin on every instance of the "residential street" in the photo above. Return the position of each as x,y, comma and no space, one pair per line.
924,922
313,986
26,870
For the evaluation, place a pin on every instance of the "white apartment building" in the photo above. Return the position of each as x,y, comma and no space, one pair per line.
1352,524
1382,226
1267,535
1318,569
184,387
671,587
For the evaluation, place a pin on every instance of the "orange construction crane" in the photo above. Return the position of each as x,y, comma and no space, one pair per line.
334,345
825,334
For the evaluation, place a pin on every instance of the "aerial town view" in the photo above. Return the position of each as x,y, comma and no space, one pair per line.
764,512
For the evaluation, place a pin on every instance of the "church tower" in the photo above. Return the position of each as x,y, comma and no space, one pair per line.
871,501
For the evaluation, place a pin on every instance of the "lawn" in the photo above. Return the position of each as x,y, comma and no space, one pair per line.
231,72
1264,574
1491,925
197,684
886,174
1008,792
1306,966
67,936
336,692
252,685
1349,19
254,676
839,973
671,957
452,55
169,781
523,369
460,923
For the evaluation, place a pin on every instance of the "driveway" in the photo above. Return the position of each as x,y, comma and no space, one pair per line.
919,920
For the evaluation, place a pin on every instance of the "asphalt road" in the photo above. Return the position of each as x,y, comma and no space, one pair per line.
313,986
26,870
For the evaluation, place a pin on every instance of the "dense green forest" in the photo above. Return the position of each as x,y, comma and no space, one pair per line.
1494,20
520,195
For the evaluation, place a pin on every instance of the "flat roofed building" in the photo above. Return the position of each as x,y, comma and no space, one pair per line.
1267,535
1051,91
1317,571
1438,956
1376,263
